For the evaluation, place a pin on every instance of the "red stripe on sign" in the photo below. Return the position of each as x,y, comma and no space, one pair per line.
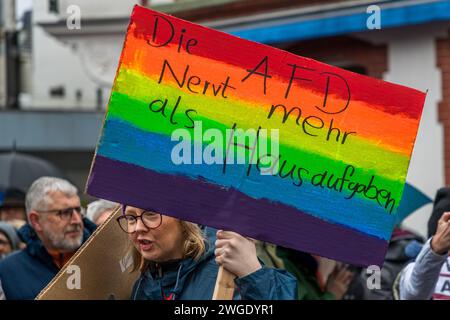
160,30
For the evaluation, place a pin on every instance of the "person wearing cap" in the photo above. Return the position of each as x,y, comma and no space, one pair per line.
429,276
55,230
9,240
98,211
13,206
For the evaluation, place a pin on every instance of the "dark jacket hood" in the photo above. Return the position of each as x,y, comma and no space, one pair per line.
441,204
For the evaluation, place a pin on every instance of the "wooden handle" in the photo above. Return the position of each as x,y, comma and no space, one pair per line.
224,288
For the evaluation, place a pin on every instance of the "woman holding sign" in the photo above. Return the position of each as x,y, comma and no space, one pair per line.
179,261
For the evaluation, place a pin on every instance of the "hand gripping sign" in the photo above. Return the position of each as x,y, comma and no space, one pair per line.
210,128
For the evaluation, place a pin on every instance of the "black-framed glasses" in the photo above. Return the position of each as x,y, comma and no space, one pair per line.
65,214
150,219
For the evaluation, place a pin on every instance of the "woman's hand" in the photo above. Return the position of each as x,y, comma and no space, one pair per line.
236,253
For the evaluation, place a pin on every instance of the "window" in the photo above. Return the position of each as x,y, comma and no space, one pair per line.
53,6
57,92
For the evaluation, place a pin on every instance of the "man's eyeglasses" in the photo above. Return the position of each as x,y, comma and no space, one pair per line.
128,222
65,214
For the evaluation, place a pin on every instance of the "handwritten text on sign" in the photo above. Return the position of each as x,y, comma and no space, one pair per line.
186,100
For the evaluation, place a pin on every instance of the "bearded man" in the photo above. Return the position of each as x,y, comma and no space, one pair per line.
56,228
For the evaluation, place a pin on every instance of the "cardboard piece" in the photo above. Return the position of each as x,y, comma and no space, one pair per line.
98,271
182,92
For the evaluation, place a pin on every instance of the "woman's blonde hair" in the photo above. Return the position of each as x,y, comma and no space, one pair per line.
193,246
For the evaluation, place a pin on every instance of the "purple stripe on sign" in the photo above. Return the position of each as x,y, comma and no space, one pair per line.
229,209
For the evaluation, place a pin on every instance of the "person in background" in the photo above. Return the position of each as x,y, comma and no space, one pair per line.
318,278
9,240
179,261
404,246
98,211
55,230
13,206
311,283
428,277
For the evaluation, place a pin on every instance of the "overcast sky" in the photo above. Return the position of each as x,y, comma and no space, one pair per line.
22,6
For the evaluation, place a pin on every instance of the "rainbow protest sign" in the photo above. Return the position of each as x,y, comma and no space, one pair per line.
338,144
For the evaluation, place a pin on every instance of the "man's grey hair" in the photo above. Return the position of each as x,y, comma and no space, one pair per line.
38,198
96,208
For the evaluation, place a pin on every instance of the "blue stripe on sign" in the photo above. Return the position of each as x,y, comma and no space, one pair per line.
121,141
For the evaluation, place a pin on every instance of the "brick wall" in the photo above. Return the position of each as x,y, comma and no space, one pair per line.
443,63
345,52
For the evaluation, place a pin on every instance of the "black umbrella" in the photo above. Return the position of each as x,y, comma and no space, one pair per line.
19,170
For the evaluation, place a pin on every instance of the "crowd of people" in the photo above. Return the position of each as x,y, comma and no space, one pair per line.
178,260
